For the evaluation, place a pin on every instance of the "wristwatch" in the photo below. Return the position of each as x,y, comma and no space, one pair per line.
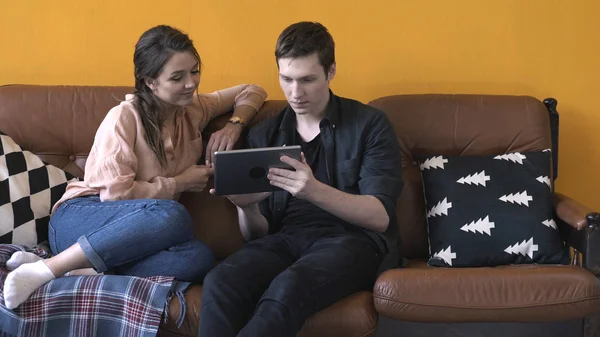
237,120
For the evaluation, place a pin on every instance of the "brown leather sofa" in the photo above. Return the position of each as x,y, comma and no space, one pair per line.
58,123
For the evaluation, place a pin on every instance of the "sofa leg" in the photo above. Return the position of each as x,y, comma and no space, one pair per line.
591,326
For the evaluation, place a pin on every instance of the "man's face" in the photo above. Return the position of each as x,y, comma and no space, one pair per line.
304,83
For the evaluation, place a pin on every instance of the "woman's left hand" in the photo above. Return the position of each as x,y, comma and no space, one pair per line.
222,140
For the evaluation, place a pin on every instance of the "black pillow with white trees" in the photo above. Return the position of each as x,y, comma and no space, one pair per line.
491,210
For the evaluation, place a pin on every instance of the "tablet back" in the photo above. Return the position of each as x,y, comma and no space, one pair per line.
245,171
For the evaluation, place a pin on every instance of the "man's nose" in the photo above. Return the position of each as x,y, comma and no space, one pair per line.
297,90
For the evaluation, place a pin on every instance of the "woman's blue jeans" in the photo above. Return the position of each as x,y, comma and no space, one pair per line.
145,237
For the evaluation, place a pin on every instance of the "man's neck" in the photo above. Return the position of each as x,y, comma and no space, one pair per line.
308,126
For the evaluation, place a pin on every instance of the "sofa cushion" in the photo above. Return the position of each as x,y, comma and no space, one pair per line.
491,210
455,124
353,316
514,293
28,190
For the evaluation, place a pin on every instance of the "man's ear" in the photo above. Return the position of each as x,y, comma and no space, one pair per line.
331,73
150,83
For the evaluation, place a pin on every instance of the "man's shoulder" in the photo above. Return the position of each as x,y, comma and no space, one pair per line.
265,128
353,108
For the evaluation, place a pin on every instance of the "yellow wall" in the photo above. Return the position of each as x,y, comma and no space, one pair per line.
536,47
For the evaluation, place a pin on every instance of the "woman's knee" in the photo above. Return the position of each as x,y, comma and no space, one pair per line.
203,260
196,260
173,214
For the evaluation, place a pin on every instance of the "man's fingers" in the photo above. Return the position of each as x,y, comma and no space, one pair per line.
292,162
282,172
303,158
281,180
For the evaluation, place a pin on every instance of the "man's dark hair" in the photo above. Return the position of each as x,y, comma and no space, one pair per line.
303,39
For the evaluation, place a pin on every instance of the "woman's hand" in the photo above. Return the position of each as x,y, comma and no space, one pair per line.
222,140
193,179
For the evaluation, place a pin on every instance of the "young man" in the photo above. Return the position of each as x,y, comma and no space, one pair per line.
325,235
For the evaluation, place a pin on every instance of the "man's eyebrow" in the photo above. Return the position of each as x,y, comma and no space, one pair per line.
300,78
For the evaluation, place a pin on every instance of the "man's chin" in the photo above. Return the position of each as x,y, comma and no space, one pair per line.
300,111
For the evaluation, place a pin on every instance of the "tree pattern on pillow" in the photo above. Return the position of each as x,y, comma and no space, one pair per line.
490,210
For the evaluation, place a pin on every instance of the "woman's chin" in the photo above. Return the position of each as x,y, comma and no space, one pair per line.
185,101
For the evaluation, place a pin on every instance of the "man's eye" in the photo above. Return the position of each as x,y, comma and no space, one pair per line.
176,79
196,72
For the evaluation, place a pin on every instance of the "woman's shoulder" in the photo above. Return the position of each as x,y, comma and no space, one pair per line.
123,114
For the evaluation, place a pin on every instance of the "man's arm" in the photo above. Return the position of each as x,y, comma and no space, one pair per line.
380,181
253,224
360,210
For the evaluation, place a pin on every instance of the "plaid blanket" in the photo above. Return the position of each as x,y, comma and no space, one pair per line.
81,306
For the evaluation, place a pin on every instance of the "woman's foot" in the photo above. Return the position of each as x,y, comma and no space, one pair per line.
19,258
23,281
84,271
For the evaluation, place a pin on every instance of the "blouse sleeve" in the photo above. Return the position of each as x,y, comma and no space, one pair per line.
112,164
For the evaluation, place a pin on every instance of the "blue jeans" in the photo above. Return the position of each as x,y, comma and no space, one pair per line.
145,237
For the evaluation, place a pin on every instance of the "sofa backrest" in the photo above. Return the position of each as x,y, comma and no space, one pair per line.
456,125
58,123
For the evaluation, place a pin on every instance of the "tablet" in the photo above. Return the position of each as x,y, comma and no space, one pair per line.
245,171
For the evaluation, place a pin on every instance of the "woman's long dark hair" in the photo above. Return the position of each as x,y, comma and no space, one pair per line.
154,48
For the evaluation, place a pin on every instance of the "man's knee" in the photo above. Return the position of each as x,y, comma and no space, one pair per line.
290,287
218,277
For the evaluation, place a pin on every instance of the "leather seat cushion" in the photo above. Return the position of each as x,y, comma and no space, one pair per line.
517,293
353,316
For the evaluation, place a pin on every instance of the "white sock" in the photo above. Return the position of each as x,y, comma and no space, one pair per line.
19,258
23,281
84,271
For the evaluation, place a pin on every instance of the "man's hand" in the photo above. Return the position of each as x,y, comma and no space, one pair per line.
245,200
299,183
222,140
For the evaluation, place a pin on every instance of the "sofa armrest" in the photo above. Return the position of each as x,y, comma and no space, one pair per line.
580,228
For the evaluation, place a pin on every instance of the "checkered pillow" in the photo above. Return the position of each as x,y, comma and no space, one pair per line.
28,190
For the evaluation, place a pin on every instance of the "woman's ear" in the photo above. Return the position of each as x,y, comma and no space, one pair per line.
150,83
331,73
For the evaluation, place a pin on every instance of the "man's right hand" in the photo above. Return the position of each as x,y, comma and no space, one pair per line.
194,178
245,200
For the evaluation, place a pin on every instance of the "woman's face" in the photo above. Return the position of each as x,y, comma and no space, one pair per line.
178,81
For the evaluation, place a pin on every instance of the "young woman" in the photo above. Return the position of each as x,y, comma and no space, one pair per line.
124,215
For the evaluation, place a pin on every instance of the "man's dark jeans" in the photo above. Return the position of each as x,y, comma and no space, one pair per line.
273,284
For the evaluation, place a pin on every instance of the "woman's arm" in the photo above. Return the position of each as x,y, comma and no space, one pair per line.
112,165
245,100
